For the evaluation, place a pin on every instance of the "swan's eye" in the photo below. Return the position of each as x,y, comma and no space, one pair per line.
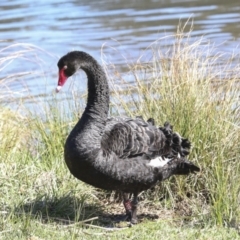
68,70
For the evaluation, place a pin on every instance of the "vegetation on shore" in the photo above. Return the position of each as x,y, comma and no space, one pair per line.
191,86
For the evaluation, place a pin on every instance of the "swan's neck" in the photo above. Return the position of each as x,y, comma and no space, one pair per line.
98,93
89,130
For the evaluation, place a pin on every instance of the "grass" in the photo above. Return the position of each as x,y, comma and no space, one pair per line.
200,96
190,85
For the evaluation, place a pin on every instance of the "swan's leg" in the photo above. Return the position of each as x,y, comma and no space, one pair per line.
134,202
127,205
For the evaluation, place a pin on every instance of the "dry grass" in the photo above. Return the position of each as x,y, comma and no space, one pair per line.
23,68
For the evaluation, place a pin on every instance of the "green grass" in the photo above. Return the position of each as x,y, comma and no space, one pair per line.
185,85
147,230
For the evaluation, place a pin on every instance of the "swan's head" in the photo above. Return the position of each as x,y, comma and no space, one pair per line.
67,66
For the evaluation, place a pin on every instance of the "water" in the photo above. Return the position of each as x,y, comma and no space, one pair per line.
123,27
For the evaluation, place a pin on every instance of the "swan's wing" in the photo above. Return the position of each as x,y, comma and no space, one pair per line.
130,138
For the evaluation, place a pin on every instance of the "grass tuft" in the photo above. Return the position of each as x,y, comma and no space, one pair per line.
197,90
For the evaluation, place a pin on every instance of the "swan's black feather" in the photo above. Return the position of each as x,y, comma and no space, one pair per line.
128,138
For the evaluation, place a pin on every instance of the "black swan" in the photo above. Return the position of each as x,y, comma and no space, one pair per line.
124,154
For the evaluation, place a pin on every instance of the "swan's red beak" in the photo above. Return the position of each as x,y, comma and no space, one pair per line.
61,80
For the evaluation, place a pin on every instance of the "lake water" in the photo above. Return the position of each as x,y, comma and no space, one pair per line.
125,28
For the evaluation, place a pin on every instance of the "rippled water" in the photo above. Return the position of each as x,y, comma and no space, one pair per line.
127,26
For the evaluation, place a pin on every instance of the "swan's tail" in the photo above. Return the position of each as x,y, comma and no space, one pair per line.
179,149
178,146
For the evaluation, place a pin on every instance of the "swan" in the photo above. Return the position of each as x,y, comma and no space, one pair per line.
125,154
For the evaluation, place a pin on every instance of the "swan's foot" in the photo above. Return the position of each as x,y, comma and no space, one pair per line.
134,221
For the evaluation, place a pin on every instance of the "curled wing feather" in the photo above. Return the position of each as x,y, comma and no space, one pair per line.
129,138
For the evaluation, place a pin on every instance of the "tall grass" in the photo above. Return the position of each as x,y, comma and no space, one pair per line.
197,90
189,85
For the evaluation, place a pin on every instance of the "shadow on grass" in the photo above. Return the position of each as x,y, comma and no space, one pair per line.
63,210
70,209
107,219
